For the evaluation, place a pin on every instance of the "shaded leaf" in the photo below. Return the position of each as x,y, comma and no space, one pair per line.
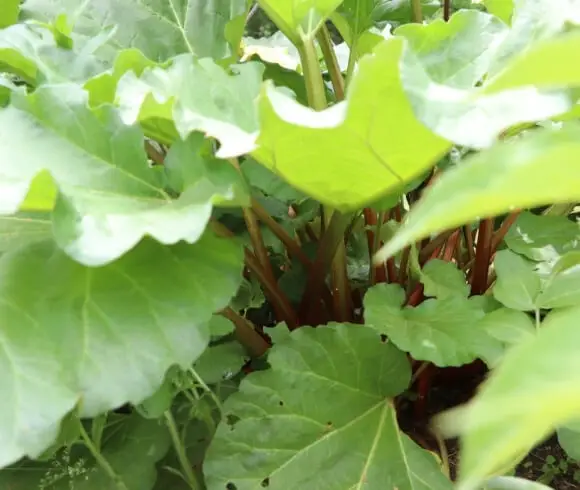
536,169
109,196
132,447
445,332
517,285
443,279
562,287
543,238
569,439
535,388
364,142
197,95
510,327
277,435
103,336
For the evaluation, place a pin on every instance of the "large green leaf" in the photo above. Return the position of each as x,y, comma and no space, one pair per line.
132,446
23,228
109,196
369,144
277,433
543,238
443,279
440,81
102,336
9,12
31,52
534,389
536,169
159,28
298,18
500,8
517,285
523,285
509,327
533,21
198,95
457,53
445,332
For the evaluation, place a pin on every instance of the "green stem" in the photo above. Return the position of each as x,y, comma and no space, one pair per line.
180,451
317,100
332,239
331,62
312,75
417,11
101,461
207,389
351,61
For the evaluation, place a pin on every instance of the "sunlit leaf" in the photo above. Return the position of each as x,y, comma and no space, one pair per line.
159,28
102,336
536,169
298,18
32,53
109,196
370,144
500,8
196,95
457,53
278,435
445,79
9,12
445,332
535,388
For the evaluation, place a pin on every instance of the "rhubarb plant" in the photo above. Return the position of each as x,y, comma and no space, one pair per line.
238,262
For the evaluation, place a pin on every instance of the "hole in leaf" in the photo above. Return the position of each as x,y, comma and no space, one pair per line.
265,482
281,403
231,486
383,338
232,419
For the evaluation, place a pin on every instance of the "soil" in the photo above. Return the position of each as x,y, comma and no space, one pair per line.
547,463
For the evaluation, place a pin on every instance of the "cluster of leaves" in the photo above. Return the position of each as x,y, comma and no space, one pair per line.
225,259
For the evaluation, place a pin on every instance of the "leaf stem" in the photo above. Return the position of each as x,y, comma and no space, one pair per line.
312,75
291,245
331,61
101,461
180,451
482,257
446,10
417,11
246,334
277,298
317,101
